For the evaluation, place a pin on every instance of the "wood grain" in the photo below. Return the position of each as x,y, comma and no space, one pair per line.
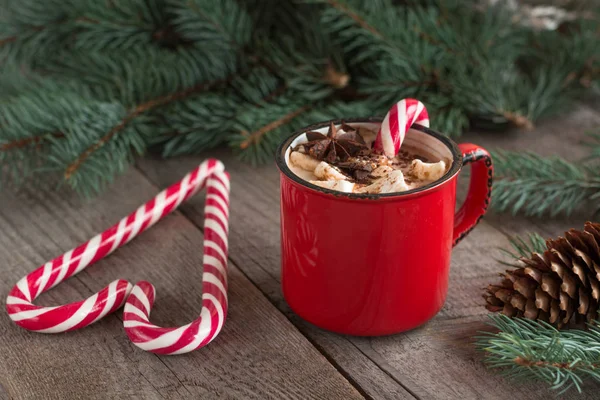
440,354
258,355
438,360
254,247
412,364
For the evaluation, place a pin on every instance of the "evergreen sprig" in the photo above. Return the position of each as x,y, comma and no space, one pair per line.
526,349
521,247
86,85
534,185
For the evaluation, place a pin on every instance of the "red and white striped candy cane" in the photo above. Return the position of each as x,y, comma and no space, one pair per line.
214,287
19,303
397,122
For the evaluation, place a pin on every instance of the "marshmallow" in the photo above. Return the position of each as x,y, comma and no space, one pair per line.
382,171
390,183
368,135
341,186
327,172
428,171
303,161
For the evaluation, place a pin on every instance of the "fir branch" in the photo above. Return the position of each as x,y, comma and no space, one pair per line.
254,137
140,75
534,185
518,120
213,23
31,115
573,50
273,17
132,114
84,24
352,24
346,58
274,94
29,141
310,67
196,124
344,9
82,130
572,366
267,122
526,349
337,109
6,40
524,247
206,121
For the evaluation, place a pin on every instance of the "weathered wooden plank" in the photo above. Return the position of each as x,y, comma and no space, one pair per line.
444,358
254,247
3,394
437,360
259,353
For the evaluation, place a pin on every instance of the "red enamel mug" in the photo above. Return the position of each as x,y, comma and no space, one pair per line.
364,264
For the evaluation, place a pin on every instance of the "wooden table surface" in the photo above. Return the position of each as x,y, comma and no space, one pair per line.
264,350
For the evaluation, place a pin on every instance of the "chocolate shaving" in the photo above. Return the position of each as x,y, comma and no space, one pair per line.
311,136
356,164
334,148
347,128
332,153
353,137
332,132
362,176
359,168
318,148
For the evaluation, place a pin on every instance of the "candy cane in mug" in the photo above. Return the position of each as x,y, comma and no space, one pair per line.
397,122
68,317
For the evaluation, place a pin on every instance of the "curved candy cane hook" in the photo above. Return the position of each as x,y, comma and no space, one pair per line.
397,122
214,287
19,303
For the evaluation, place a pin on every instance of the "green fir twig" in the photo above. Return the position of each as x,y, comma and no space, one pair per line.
75,75
534,185
523,247
525,349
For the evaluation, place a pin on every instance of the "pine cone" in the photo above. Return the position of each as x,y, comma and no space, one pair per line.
560,286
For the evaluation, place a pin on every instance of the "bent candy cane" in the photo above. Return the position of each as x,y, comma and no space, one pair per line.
214,287
68,317
397,122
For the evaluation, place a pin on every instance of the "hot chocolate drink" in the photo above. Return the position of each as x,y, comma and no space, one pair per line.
343,160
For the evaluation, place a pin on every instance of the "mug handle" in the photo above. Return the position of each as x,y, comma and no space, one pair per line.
480,190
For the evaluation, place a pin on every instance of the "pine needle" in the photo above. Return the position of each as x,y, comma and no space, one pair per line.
525,349
524,247
184,76
536,185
